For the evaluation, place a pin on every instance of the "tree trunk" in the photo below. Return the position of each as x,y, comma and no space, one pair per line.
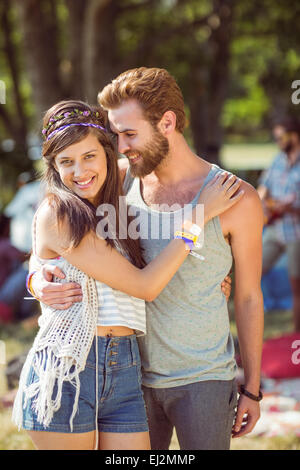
75,79
209,84
16,126
41,52
101,57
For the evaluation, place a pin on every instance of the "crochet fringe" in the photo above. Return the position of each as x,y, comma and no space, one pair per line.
59,353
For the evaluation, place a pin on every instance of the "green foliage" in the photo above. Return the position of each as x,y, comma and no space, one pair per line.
265,60
181,36
245,114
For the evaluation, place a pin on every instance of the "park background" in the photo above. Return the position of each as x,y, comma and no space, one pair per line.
237,63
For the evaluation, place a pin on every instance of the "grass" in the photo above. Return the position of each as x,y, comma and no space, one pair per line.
247,156
290,442
17,340
10,438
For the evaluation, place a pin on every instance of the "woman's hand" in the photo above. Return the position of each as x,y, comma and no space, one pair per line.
219,194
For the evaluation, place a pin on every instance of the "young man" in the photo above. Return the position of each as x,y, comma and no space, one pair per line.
187,355
279,190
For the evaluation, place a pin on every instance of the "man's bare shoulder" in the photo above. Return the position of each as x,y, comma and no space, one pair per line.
247,210
123,165
249,202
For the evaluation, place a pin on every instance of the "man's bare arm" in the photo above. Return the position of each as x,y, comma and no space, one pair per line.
58,295
246,240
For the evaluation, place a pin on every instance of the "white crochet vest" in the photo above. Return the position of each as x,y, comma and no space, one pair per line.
59,351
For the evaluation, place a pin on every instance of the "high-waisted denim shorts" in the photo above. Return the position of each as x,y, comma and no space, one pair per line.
121,407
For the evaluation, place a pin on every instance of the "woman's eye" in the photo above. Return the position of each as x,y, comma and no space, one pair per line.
130,135
89,156
65,162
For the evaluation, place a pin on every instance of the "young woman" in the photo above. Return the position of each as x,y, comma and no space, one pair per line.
80,387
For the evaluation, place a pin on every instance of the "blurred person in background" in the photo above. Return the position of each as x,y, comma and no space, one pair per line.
21,210
17,245
9,255
10,259
279,190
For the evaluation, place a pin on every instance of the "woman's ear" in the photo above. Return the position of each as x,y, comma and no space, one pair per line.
54,164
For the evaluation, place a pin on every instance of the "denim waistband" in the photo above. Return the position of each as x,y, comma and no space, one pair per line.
116,352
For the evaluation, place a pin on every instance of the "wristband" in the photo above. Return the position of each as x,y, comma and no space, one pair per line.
187,235
250,395
193,228
190,238
197,255
187,241
28,284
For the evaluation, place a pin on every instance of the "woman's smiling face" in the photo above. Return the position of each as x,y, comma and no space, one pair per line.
82,167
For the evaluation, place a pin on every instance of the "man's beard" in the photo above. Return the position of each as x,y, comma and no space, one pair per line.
153,154
288,146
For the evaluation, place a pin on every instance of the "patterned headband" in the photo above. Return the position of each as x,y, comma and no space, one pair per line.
74,112
86,124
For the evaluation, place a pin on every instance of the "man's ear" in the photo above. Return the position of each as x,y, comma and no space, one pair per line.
167,124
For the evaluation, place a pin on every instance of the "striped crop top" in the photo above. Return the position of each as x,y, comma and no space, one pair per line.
115,307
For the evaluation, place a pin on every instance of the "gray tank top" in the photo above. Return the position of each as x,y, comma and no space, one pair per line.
188,335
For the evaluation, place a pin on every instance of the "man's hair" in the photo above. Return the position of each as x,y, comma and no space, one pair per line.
154,89
290,124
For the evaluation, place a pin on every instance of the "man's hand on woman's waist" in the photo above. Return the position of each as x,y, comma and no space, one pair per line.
55,294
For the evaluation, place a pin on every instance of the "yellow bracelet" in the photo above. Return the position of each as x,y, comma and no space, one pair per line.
187,235
30,287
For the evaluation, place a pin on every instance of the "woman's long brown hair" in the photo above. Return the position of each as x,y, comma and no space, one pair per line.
80,213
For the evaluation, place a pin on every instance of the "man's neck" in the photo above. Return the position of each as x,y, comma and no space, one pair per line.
181,164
